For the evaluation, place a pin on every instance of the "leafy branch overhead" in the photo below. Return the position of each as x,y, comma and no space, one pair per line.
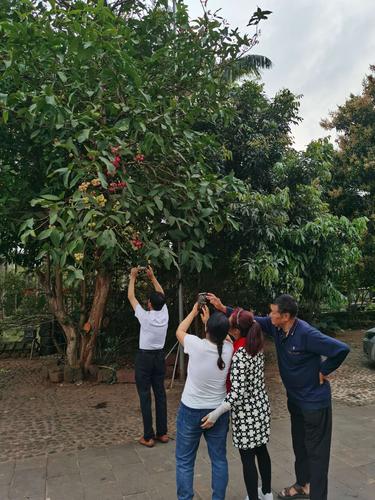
108,121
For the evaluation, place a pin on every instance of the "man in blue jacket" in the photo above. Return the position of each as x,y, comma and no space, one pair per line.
304,372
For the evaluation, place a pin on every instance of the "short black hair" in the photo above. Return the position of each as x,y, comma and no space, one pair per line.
287,304
157,300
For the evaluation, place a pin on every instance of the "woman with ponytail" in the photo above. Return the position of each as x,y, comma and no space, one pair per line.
209,361
248,401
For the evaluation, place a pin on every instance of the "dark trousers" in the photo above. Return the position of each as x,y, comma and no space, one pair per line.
250,472
311,436
150,372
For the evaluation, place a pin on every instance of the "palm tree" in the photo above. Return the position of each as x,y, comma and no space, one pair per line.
251,64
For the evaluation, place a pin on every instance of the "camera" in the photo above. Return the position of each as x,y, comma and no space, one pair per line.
202,300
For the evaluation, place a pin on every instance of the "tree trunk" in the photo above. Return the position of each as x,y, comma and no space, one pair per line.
56,305
89,335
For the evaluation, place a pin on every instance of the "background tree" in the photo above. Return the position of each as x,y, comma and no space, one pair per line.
353,184
287,238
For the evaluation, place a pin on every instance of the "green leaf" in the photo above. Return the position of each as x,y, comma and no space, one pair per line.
45,234
78,274
103,179
56,237
158,202
155,252
41,254
35,133
63,259
83,135
107,239
51,197
50,99
26,234
116,218
123,125
62,76
53,217
88,217
29,223
149,209
5,116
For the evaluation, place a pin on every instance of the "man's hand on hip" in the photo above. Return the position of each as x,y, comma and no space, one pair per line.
323,378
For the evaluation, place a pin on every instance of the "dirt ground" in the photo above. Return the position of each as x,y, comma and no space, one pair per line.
38,417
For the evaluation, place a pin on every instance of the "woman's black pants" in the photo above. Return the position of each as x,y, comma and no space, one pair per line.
250,472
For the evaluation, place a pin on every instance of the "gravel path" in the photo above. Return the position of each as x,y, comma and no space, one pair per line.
38,417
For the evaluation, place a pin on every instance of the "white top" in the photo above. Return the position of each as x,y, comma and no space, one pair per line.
154,326
205,384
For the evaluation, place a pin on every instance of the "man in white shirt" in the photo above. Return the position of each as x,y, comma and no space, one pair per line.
150,359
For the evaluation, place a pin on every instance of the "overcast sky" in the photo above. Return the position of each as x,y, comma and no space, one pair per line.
319,48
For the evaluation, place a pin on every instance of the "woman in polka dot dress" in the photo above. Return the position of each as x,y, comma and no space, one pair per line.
248,402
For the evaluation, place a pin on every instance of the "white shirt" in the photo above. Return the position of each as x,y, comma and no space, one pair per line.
154,326
205,384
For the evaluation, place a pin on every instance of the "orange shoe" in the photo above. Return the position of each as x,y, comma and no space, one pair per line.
163,439
149,443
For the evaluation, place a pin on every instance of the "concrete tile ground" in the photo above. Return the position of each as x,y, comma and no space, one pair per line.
131,472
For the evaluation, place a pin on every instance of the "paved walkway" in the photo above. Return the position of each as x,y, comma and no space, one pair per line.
132,472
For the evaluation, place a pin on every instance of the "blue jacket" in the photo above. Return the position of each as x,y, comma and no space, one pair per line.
300,361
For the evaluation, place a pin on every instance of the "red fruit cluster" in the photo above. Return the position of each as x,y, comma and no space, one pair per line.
137,244
116,162
139,158
116,186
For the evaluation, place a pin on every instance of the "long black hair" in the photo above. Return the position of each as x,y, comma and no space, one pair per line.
217,328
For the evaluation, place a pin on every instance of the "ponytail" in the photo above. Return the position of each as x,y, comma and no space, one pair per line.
220,361
254,339
250,329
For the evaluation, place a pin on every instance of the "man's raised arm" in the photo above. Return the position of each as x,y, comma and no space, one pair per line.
264,321
154,281
131,289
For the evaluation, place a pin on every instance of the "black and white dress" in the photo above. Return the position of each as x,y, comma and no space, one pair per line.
248,399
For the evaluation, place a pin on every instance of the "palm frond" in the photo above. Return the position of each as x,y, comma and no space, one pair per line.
247,65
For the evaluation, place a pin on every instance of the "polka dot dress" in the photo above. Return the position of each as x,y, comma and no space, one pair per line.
250,408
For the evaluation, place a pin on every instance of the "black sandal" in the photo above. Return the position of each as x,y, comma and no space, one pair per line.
285,493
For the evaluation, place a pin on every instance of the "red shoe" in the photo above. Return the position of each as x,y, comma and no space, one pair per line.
149,443
163,439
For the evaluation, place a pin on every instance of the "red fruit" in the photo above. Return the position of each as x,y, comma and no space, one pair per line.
139,157
137,243
114,149
116,162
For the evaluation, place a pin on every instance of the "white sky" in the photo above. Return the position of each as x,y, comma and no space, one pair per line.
319,48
